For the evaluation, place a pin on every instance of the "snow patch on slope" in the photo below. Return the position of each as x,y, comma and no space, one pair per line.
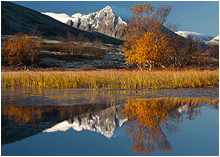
203,38
60,17
214,40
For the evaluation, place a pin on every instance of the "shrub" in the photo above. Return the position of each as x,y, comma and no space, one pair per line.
72,47
20,50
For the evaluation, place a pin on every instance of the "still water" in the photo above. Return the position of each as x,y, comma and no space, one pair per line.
85,122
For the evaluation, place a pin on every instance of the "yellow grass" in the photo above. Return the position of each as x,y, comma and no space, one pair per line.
112,79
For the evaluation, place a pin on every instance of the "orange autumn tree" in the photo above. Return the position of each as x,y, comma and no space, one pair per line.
20,50
145,43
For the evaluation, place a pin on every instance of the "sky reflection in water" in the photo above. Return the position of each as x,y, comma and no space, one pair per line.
159,126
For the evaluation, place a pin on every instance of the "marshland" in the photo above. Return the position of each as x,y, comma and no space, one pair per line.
112,79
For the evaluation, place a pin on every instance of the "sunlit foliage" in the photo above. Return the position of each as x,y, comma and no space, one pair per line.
145,44
20,50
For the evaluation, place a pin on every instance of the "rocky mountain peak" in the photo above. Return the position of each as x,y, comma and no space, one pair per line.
107,9
103,21
77,15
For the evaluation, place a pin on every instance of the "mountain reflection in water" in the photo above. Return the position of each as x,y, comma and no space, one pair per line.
19,122
147,121
104,122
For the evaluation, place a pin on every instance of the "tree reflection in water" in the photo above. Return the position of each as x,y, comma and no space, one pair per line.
148,120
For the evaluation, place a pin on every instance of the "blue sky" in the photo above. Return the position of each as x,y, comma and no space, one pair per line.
197,16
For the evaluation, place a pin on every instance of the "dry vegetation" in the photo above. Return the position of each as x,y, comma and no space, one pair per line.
112,79
25,51
76,46
20,50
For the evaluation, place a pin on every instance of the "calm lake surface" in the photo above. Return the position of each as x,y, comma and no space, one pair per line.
67,122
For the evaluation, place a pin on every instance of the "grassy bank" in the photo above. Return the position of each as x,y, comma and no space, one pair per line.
112,79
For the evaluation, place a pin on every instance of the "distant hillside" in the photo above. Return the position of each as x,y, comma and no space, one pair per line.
214,41
16,18
203,38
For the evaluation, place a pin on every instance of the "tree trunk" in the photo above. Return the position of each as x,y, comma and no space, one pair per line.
150,67
139,67
148,62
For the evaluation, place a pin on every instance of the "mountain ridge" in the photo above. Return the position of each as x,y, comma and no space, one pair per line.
123,15
103,21
214,41
203,38
27,21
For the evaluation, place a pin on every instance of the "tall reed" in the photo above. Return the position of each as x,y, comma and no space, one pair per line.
112,79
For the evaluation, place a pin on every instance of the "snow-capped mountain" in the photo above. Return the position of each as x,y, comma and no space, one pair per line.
104,122
203,38
124,14
110,21
103,21
214,40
